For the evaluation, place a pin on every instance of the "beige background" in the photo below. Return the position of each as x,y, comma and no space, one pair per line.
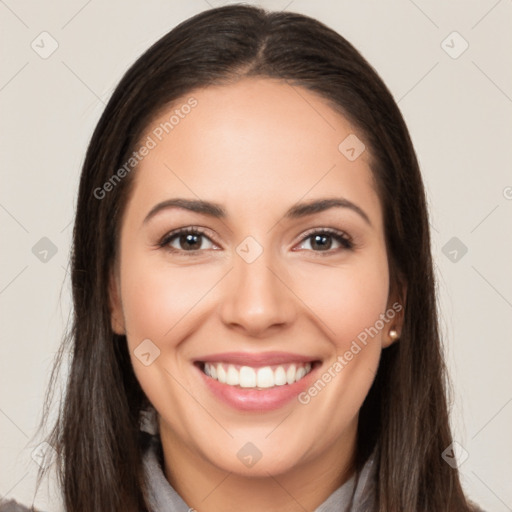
459,114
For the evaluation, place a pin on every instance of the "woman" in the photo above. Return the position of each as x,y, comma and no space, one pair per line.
255,315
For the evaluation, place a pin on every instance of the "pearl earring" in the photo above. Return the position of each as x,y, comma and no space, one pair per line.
393,334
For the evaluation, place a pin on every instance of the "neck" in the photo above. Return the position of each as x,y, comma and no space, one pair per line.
204,486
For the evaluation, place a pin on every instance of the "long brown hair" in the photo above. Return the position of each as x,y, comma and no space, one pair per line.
405,415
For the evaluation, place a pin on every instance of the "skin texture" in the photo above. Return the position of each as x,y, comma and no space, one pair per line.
257,147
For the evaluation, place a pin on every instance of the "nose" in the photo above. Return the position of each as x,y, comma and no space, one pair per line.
257,297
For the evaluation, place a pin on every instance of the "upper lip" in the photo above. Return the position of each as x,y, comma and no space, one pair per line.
256,359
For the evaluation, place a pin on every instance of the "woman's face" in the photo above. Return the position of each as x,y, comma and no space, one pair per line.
269,290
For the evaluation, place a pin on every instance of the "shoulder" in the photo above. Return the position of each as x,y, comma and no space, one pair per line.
14,506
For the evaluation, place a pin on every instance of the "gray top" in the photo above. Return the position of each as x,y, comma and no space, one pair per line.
353,496
356,495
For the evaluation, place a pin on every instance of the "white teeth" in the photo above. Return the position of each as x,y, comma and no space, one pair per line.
247,377
233,377
279,376
290,374
264,377
221,374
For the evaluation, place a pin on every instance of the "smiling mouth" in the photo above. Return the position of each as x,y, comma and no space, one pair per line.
262,377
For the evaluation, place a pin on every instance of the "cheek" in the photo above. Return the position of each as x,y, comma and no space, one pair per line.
347,299
350,301
159,304
157,297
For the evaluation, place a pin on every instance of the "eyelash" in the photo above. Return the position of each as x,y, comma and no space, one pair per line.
344,240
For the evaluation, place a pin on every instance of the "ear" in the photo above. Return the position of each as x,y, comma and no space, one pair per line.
395,312
115,305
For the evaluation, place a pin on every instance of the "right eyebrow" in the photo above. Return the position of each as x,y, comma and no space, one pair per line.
194,205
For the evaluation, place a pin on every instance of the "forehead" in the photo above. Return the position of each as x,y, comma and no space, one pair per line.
254,145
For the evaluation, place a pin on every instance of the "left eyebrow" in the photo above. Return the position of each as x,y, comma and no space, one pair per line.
316,206
217,211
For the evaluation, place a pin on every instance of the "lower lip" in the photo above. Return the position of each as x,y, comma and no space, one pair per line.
251,399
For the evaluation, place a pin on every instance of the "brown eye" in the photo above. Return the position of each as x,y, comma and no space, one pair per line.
185,240
322,240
